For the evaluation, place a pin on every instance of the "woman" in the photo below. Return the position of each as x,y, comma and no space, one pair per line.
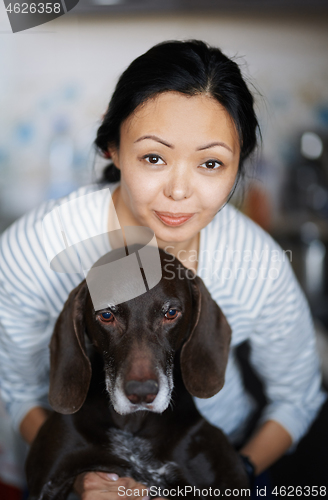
178,129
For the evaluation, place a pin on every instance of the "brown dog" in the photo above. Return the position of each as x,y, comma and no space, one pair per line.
121,381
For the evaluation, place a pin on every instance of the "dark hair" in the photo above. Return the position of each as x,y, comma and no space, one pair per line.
190,67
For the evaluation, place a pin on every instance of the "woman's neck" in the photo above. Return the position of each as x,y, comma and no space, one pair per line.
186,251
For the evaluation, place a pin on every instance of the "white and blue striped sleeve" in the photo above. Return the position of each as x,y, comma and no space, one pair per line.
32,295
25,327
283,352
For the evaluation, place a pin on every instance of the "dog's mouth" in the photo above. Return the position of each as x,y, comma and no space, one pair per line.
133,407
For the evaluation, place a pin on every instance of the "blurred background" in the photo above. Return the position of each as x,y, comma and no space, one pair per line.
55,84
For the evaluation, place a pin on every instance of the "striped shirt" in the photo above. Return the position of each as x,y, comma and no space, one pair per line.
246,272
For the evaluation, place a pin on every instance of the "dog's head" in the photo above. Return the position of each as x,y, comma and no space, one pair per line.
137,340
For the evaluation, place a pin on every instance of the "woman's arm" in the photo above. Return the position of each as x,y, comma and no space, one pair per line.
267,445
283,353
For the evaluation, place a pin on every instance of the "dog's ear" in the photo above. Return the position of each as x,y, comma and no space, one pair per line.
70,368
204,355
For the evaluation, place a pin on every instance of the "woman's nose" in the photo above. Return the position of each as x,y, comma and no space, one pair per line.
178,185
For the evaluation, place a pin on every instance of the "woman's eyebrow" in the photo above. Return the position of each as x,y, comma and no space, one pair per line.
207,146
212,144
155,138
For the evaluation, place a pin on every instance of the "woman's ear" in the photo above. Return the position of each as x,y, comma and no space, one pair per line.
204,355
114,155
70,368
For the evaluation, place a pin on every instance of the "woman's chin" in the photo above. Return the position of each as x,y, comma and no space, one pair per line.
172,236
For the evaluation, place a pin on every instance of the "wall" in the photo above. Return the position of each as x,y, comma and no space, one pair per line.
56,80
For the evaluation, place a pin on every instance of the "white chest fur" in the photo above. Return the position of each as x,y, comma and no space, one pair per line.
141,463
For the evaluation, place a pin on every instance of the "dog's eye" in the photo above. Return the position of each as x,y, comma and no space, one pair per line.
171,314
106,317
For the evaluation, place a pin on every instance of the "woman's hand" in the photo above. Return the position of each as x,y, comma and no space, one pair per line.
103,486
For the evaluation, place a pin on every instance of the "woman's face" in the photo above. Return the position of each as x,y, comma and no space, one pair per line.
178,158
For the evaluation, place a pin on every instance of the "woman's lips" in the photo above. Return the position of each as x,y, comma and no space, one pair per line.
173,219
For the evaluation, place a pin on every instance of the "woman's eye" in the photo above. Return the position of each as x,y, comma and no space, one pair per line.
211,164
171,314
154,159
106,317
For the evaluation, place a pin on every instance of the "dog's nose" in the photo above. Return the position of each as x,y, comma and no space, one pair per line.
141,392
